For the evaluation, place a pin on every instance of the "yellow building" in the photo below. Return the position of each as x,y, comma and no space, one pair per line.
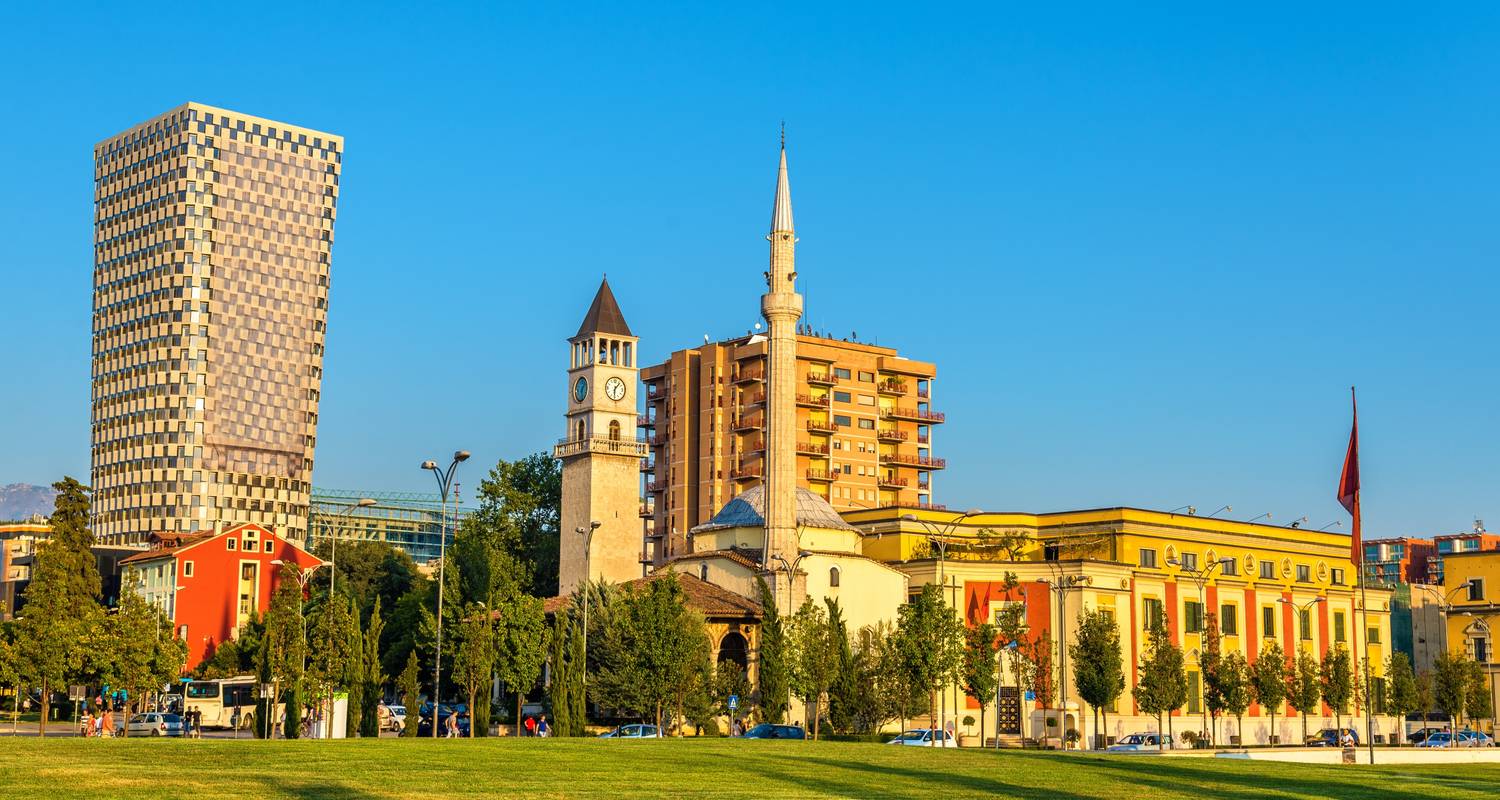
1263,582
18,543
212,238
1471,585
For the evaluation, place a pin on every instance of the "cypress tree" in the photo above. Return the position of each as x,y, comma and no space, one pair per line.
410,685
373,680
559,688
775,669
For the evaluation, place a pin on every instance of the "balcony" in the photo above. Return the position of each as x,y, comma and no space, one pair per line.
656,486
821,475
893,482
753,400
920,462
748,376
891,386
923,394
643,421
748,423
647,511
656,441
913,414
820,426
810,449
599,444
923,437
745,473
822,379
754,447
813,400
890,435
933,506
648,465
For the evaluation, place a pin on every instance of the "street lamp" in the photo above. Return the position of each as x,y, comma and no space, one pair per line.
790,568
445,482
588,549
938,534
1061,587
363,502
1201,577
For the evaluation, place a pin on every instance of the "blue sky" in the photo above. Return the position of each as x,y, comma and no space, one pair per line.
1150,250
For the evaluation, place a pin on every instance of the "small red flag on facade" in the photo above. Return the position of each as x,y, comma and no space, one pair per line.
1349,483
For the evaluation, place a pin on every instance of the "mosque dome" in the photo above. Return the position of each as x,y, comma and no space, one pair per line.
748,510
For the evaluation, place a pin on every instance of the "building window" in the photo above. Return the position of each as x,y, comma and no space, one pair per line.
270,546
703,572
1189,561
1194,694
229,544
1268,570
1338,626
842,397
187,569
1268,621
1229,567
1476,589
867,424
1304,573
1304,624
841,373
1372,636
1148,558
833,577
1229,623
1192,616
614,430
842,420
866,377
1151,609
1337,577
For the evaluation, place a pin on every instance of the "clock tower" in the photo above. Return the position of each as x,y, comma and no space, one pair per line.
600,453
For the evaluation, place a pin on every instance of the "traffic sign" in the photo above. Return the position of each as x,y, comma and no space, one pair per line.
734,702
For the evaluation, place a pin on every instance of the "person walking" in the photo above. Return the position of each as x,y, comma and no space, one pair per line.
530,726
87,729
108,722
452,724
541,728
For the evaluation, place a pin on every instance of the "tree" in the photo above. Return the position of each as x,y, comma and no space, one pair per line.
1336,682
333,654
653,651
520,638
1401,689
284,649
510,543
1451,686
929,639
62,600
775,669
1162,684
353,678
1303,687
1234,689
1010,623
1426,695
816,661
730,681
560,685
578,693
474,662
1478,702
979,671
1039,669
409,684
844,692
373,679
1096,664
131,643
1210,664
1268,676
10,673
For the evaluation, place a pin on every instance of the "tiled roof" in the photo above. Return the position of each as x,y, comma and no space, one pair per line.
708,599
748,511
604,315
166,544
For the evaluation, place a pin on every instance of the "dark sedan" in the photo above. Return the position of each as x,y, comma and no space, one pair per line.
766,730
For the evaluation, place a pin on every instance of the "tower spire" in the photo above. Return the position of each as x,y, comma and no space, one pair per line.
781,212
782,307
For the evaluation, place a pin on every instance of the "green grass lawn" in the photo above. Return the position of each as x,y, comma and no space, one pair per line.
533,768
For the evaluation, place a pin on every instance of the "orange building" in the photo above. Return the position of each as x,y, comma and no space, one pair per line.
864,421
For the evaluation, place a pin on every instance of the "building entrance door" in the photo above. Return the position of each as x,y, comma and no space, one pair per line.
1009,712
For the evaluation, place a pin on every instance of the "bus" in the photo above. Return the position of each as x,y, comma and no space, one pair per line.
218,700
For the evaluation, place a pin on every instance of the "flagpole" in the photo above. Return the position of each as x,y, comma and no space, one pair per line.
1362,636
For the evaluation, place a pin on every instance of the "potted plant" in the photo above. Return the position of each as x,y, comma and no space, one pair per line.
1071,738
967,738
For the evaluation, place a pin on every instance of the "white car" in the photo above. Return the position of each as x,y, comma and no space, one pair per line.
154,724
637,731
1142,742
392,717
922,737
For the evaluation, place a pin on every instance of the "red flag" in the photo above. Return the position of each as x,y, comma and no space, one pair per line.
1349,483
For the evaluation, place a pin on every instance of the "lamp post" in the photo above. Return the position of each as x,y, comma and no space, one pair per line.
938,534
588,549
445,482
1299,608
1201,577
1060,587
790,568
333,557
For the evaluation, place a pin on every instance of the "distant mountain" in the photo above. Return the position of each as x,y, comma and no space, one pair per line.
21,500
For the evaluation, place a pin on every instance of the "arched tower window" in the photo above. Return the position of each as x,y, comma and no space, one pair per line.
580,430
629,362
614,430
833,577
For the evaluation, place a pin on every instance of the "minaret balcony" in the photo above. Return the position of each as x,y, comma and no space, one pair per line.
913,414
813,400
822,378
821,475
890,435
891,386
566,448
822,426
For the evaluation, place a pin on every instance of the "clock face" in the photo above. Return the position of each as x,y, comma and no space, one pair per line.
581,389
614,388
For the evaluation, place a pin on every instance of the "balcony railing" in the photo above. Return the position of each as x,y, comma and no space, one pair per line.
656,441
647,511
890,435
748,423
643,421
748,375
653,487
754,446
809,448
754,399
648,465
823,378
923,437
923,393
893,482
913,414
890,386
814,400
821,475
744,473
920,462
933,506
817,426
600,444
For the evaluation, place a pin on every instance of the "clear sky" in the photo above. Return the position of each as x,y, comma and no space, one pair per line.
1149,250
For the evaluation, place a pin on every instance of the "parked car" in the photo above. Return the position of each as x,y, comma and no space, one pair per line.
923,737
766,730
154,723
633,731
1418,736
1329,737
1140,742
1476,739
1444,739
392,717
424,724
